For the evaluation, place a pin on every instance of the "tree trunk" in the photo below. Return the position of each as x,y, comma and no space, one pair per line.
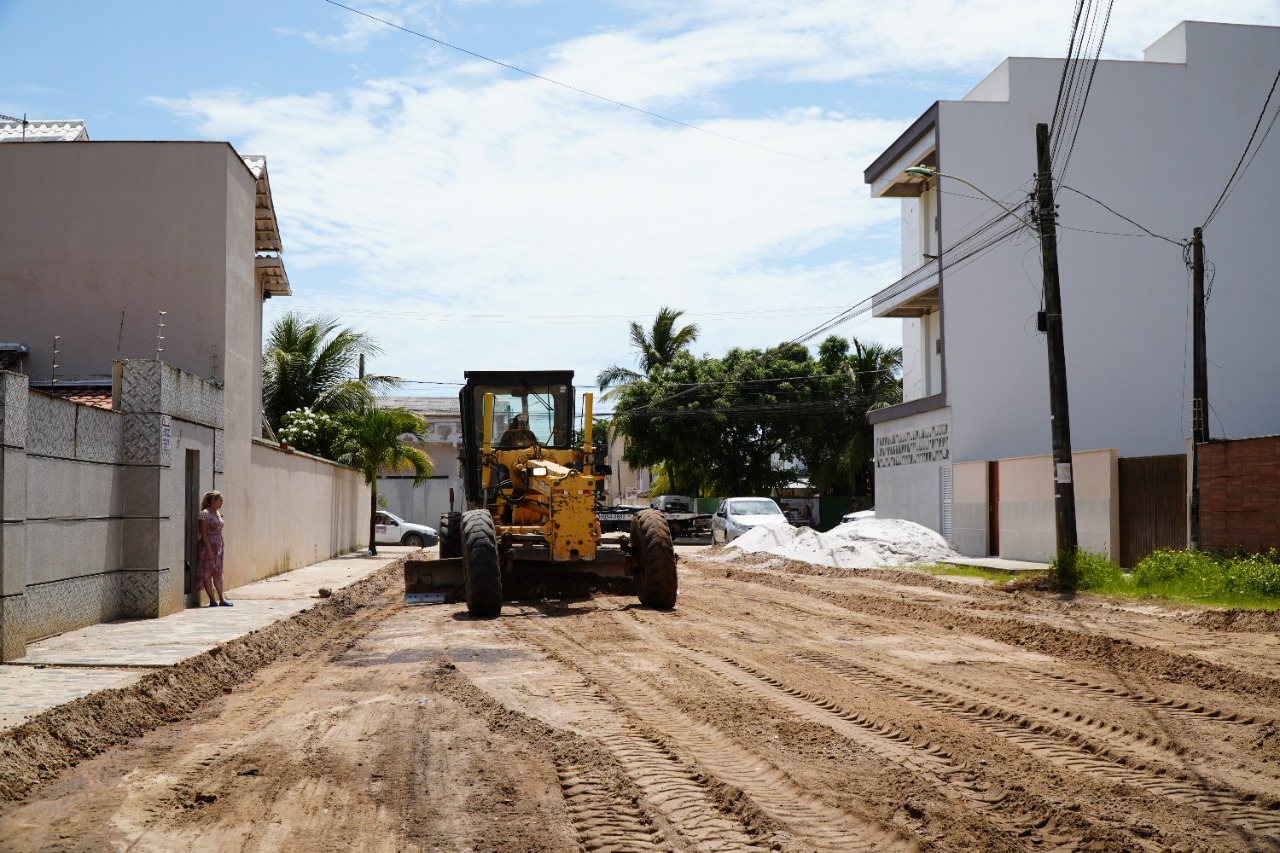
373,513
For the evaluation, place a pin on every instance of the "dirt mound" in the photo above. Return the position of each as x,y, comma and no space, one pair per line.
47,744
862,544
1236,619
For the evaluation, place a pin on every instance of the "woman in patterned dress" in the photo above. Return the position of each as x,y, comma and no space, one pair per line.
209,567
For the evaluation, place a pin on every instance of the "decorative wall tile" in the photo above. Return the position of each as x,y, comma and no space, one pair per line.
219,442
191,398
13,627
140,381
139,593
99,435
142,440
51,426
13,409
60,606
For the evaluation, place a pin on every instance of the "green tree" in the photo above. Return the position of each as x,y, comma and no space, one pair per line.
373,441
655,348
717,426
837,448
312,363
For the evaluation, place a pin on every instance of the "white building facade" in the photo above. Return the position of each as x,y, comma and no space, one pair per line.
1157,143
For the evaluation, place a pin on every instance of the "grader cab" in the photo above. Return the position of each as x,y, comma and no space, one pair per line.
533,487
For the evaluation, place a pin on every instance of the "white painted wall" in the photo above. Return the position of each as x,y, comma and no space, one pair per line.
1158,143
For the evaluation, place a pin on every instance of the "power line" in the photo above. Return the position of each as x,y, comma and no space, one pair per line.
1114,212
541,318
590,94
1237,171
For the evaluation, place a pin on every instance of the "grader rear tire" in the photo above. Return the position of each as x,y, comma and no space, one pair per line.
481,573
450,535
655,558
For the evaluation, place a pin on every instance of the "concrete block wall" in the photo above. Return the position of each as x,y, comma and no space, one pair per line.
301,509
92,515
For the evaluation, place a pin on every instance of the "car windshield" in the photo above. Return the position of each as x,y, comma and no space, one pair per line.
760,506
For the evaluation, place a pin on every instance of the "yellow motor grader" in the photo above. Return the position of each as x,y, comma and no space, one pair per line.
532,489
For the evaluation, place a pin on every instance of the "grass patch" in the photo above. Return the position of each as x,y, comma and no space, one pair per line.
1250,581
989,575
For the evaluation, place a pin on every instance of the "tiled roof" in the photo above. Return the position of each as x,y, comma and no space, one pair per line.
86,396
72,130
266,229
427,406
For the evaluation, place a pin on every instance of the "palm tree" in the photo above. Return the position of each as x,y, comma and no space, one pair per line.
311,363
874,373
373,440
655,348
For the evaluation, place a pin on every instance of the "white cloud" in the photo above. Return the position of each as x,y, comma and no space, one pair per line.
462,190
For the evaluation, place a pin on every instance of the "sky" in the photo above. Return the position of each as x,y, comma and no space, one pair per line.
472,217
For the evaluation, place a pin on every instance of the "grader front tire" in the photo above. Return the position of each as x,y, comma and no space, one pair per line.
482,576
655,559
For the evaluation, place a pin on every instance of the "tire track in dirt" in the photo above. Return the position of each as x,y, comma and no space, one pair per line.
801,813
890,743
1029,634
1066,749
674,793
1041,828
1172,707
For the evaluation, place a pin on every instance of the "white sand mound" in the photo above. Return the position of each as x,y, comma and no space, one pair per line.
862,544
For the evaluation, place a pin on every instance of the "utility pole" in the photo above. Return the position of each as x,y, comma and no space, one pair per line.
1064,493
1199,380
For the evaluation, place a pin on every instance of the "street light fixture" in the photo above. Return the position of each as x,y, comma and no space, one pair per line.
929,172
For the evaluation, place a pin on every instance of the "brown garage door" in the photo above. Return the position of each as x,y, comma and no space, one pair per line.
1153,505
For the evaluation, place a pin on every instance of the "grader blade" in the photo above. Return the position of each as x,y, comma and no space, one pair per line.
430,581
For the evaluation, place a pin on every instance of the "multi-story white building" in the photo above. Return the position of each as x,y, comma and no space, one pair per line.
1157,143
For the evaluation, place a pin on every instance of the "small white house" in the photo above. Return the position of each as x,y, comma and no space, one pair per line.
1158,141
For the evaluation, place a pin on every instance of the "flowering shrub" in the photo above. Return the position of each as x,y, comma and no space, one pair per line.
308,431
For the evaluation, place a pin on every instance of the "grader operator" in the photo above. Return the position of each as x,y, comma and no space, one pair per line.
531,486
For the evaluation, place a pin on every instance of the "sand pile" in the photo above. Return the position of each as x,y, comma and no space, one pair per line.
862,544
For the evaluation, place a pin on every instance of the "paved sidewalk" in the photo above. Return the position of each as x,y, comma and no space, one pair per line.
999,564
116,654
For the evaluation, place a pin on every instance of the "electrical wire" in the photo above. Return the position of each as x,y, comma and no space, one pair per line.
591,94
1238,172
569,319
1114,212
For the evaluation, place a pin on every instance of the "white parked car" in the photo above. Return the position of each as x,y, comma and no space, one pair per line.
392,530
738,515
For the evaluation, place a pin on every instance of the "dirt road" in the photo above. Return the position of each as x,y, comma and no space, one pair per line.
777,708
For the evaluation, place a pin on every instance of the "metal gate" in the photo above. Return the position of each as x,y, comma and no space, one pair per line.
1153,505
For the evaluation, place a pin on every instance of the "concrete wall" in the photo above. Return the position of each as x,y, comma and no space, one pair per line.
94,511
112,231
970,509
1124,300
1027,518
910,454
299,510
